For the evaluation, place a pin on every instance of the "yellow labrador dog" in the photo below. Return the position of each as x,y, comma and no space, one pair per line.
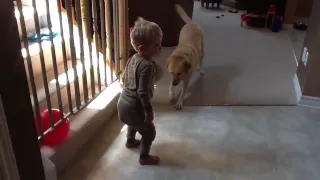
185,58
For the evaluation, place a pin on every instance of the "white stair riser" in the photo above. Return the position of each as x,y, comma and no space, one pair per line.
30,25
28,13
47,54
64,97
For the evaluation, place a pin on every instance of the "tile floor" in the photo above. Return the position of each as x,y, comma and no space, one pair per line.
216,143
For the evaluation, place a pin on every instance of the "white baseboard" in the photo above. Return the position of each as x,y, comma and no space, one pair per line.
287,25
309,101
304,100
49,168
297,88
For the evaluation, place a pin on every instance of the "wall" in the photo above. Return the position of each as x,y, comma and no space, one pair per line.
291,8
304,8
163,13
301,8
309,75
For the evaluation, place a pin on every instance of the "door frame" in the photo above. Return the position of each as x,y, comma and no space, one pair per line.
9,169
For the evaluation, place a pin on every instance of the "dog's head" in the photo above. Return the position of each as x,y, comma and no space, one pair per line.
178,67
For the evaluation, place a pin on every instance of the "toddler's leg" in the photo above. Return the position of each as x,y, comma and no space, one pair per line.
148,133
131,138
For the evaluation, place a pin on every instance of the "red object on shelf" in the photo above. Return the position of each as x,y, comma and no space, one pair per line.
272,9
244,17
281,18
59,134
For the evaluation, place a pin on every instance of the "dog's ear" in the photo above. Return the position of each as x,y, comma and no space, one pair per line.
187,66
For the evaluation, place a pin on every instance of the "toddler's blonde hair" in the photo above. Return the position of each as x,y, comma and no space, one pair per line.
144,32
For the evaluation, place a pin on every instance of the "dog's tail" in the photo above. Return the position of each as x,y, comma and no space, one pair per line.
182,13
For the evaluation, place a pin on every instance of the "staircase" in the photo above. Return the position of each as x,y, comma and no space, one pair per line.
72,89
64,68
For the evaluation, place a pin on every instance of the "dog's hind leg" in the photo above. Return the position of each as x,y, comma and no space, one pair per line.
202,73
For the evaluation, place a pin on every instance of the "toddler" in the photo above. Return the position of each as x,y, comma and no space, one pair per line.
134,106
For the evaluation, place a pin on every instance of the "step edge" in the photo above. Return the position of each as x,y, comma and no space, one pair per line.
85,124
52,86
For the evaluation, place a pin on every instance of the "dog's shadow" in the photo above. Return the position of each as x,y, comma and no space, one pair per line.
212,88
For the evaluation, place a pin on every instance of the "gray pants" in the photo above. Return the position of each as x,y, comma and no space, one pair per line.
148,133
131,113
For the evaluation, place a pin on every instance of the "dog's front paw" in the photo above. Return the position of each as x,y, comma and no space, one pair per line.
172,100
202,73
178,106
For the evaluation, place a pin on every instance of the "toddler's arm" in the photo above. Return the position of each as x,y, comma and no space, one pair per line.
143,89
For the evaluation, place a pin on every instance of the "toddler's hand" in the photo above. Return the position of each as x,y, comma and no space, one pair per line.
149,117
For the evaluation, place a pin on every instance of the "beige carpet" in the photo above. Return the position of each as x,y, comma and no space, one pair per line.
243,66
